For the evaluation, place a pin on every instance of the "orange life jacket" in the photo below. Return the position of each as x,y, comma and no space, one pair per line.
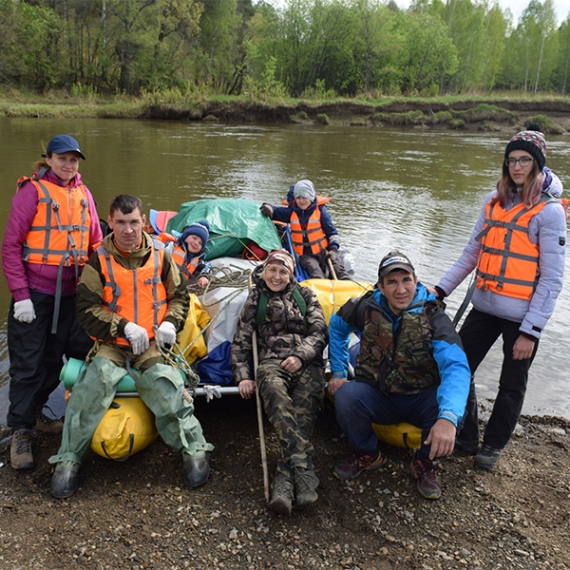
59,233
313,236
137,295
179,255
508,263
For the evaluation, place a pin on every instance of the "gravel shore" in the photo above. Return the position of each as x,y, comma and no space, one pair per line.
139,515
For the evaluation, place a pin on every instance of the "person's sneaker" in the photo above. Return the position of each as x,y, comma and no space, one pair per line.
46,424
306,482
466,447
425,471
355,464
488,457
282,495
64,481
21,449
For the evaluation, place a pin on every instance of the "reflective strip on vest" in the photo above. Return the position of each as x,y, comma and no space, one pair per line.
59,232
137,295
179,257
508,262
313,236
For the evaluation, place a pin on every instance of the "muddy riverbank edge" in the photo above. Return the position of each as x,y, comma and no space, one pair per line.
139,515
459,114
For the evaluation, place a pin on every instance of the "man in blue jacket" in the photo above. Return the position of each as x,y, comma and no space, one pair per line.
411,367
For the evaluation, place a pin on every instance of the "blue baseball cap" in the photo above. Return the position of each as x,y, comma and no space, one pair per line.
63,143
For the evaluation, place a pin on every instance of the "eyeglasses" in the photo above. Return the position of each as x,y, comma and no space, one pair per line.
523,161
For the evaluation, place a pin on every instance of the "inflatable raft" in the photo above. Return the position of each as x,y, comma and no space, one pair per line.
237,226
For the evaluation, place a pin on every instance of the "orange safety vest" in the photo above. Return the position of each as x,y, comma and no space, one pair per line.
508,262
137,295
313,236
187,269
179,255
59,233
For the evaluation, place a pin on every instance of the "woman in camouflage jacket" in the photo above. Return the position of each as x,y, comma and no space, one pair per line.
291,337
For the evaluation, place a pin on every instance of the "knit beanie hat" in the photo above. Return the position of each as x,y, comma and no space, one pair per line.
281,257
531,141
200,229
304,189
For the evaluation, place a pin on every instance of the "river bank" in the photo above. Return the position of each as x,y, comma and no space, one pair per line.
458,113
139,515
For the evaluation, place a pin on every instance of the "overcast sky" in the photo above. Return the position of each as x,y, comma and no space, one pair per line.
517,7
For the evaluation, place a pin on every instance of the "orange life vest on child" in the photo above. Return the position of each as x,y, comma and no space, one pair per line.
313,236
179,255
59,233
508,263
137,295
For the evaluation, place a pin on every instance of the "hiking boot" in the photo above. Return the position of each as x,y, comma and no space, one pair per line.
64,481
488,456
21,449
196,470
466,447
306,481
282,495
425,471
46,424
355,464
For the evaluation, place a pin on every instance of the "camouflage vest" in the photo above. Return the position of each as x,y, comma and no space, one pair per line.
401,362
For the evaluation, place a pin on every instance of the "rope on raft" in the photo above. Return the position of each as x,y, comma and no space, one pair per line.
230,276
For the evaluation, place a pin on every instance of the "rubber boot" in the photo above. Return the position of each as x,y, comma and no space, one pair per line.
64,481
196,470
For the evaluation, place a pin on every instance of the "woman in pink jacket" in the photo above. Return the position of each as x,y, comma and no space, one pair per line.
52,229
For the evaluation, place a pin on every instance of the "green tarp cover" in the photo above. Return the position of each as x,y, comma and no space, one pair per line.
233,224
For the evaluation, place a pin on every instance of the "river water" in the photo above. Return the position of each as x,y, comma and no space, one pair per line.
417,190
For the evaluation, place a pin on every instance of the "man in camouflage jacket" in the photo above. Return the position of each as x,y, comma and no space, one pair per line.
290,377
131,298
411,368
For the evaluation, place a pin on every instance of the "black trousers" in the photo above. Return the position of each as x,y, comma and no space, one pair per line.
316,266
36,355
478,334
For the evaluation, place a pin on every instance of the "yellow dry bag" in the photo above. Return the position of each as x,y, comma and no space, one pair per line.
402,434
127,427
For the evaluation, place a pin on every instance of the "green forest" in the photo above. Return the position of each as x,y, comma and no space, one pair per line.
281,48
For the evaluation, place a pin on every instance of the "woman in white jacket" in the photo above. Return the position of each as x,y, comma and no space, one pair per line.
517,249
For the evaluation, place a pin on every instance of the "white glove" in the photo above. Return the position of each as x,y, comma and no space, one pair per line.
211,392
166,334
138,337
24,311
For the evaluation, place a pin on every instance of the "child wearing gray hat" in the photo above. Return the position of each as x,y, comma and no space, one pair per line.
315,239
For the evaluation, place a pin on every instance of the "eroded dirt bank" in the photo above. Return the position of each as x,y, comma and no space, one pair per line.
465,114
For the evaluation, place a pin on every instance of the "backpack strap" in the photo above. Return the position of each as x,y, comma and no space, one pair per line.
261,308
264,299
300,300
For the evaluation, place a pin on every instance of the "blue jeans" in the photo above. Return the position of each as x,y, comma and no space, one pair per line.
358,405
